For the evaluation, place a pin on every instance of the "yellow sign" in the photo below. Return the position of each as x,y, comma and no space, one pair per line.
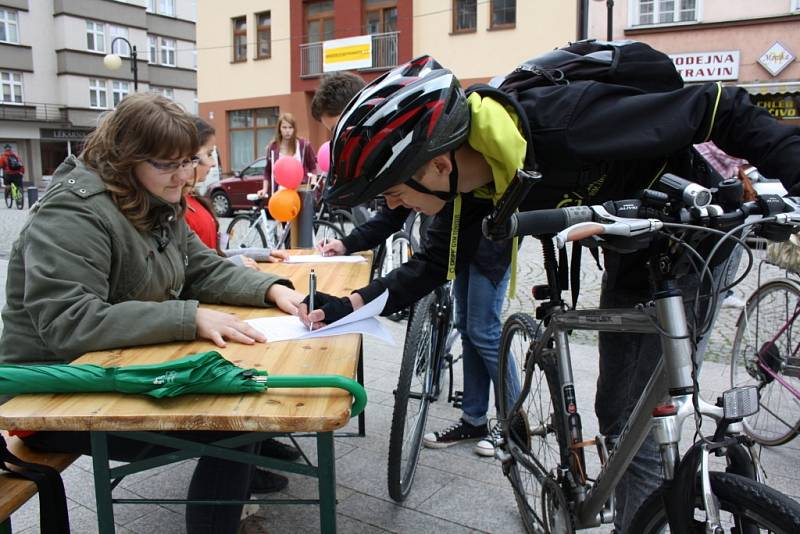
348,53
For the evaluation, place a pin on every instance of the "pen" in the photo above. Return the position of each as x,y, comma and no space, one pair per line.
312,288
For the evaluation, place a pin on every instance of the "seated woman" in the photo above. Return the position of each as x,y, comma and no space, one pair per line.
199,215
105,260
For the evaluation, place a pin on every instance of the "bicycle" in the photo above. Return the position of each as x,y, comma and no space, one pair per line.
256,229
427,352
542,446
14,195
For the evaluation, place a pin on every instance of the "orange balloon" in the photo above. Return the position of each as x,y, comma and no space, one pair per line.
284,205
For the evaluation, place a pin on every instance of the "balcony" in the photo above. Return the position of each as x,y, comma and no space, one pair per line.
384,55
33,111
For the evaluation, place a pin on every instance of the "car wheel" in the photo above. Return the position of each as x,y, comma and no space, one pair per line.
221,204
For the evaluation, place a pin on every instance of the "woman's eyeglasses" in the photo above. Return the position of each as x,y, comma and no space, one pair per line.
172,166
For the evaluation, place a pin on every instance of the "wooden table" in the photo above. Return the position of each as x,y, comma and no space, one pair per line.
275,412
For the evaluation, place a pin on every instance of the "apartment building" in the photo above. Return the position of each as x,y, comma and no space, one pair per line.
260,58
754,45
55,83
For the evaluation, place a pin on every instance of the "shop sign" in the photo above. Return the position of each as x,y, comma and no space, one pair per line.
348,53
64,134
707,66
776,58
781,106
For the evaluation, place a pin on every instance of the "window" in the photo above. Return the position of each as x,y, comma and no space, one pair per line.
167,49
195,104
251,130
97,94
11,82
167,92
151,6
380,16
9,26
166,7
194,59
119,90
465,15
263,34
120,47
239,39
795,5
503,13
95,36
319,21
666,11
152,48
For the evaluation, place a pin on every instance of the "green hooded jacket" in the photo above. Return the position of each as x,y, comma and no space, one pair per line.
81,277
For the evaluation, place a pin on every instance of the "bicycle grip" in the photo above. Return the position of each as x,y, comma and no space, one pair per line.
551,221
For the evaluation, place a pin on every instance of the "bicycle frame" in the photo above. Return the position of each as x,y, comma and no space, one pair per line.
671,382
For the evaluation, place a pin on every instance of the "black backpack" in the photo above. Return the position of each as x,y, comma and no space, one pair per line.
13,162
628,63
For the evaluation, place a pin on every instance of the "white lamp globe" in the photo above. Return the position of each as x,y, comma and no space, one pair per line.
112,61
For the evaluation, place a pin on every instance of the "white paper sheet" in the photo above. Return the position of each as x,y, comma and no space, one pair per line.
317,258
361,321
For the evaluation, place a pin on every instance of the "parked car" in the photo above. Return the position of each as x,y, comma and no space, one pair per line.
230,194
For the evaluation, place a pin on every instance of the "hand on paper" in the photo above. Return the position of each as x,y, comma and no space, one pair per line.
217,327
277,255
333,247
285,298
327,309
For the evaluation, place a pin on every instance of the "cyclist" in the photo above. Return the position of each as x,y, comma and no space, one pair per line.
415,137
479,293
13,169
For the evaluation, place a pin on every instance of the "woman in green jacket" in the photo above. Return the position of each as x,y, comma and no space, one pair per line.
106,260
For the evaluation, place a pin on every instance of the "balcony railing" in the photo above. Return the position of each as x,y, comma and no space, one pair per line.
384,54
33,111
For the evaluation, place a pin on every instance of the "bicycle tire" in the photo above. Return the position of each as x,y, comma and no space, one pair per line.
326,231
9,197
768,310
536,427
417,363
241,233
738,495
343,219
20,199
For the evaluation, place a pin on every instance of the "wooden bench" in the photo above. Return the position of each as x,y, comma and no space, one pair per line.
15,491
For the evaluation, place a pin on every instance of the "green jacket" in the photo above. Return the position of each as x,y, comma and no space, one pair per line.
81,277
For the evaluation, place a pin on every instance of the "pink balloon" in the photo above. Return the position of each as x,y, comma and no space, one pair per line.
288,172
324,156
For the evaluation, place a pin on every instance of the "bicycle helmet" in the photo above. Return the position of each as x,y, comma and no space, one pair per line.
394,125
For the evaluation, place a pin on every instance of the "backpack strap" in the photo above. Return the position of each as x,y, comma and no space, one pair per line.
53,515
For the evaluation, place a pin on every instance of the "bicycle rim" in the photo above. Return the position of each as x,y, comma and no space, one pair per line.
243,234
20,199
326,231
9,198
532,428
401,252
412,399
766,353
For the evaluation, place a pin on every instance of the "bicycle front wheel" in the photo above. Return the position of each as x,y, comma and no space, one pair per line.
412,398
745,506
19,198
326,231
533,430
765,354
9,194
242,233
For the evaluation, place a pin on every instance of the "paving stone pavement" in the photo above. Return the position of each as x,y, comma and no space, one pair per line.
454,490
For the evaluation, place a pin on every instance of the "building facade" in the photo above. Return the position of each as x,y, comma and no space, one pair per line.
55,84
754,45
260,58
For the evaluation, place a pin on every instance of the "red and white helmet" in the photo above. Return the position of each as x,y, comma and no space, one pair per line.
394,125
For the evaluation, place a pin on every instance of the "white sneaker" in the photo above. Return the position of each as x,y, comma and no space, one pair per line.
732,301
485,447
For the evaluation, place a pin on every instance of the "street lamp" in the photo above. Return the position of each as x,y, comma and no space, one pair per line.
609,18
114,62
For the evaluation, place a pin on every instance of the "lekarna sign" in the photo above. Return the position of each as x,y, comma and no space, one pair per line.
707,66
348,53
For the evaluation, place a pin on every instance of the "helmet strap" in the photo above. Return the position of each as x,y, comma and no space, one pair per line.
447,197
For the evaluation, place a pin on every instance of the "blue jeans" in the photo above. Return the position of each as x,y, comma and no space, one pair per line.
479,302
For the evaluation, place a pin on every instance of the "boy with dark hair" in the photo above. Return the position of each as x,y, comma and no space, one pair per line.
13,169
334,92
415,137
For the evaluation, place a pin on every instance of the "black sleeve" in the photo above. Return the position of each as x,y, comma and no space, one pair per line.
375,231
427,269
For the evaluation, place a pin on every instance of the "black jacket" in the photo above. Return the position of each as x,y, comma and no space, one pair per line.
596,142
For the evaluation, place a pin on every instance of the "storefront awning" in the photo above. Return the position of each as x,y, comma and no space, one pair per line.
773,88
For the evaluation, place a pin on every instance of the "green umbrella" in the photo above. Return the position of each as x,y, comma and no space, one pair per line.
207,372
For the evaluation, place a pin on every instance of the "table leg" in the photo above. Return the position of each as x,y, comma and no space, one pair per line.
327,482
102,482
5,526
362,420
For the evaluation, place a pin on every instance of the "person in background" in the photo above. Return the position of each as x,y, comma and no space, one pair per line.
287,143
13,169
479,294
106,261
199,215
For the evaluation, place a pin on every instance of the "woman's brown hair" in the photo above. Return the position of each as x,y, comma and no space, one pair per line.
204,133
288,118
143,126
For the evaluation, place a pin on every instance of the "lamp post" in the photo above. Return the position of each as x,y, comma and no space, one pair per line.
609,19
114,62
